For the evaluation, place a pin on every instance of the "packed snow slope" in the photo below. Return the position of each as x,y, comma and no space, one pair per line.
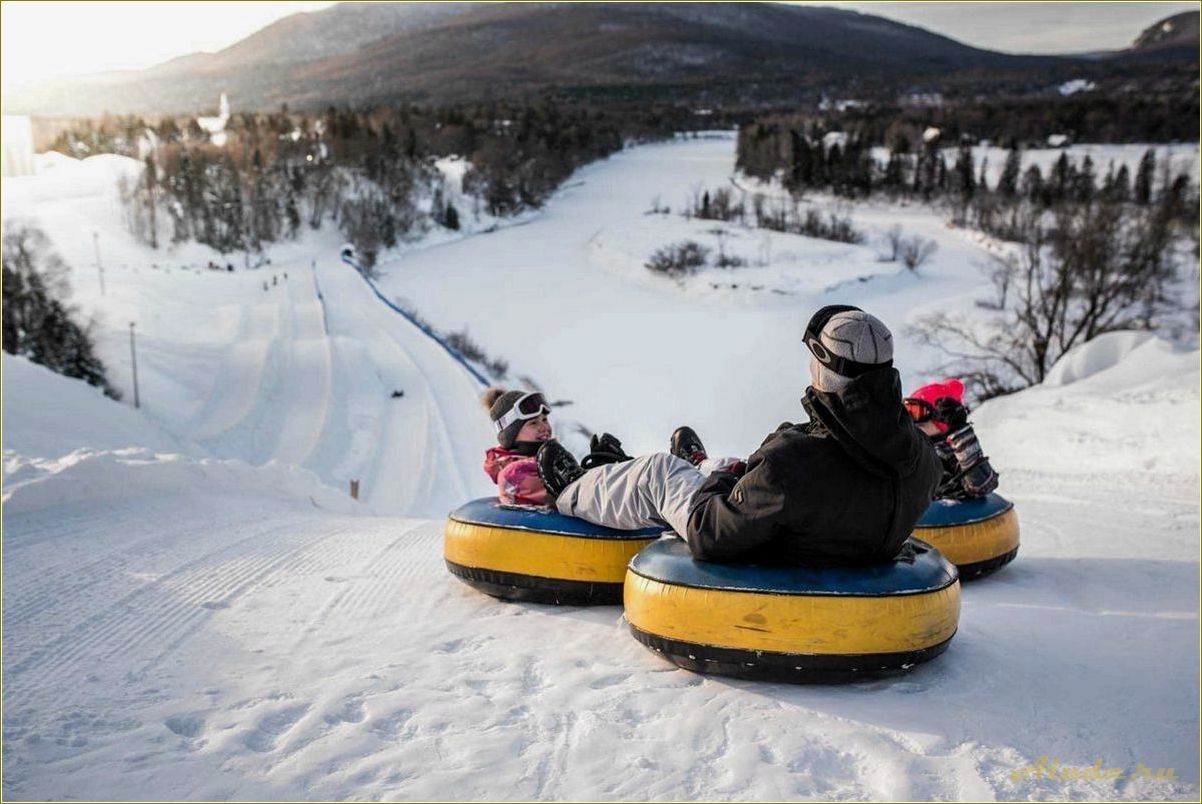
295,362
194,608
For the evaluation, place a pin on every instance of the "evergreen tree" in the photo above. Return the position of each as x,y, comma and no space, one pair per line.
1032,185
1122,185
1007,184
1058,183
151,175
1144,177
36,320
1084,185
965,182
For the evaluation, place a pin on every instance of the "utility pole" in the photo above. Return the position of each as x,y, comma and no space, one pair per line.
133,358
99,267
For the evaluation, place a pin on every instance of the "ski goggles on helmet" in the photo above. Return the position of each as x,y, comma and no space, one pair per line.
842,366
530,406
920,410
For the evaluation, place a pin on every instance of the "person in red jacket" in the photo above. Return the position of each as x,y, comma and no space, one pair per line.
522,427
938,410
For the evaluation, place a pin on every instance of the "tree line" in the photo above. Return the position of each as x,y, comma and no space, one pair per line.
37,321
372,173
808,156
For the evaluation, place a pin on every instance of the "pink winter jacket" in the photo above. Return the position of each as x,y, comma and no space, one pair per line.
516,476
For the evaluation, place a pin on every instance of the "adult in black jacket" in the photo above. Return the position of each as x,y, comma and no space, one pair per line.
847,487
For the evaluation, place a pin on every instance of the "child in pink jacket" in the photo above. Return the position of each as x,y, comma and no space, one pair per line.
521,422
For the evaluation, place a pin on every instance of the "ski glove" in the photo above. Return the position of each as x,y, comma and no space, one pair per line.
604,449
976,477
952,413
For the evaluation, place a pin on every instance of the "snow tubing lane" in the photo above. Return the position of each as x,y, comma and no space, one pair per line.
793,624
539,557
978,536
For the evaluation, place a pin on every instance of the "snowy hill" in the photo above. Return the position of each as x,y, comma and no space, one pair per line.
194,608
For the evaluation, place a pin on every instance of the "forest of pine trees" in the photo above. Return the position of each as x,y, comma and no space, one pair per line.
806,158
37,322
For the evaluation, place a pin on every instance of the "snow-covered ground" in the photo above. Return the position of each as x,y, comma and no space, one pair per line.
194,608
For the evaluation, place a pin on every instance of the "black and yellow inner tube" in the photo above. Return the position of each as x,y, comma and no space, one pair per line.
978,536
539,556
792,624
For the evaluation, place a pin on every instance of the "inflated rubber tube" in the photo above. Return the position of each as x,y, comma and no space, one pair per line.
978,536
537,556
792,624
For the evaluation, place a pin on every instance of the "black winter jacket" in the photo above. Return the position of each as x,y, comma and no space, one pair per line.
845,488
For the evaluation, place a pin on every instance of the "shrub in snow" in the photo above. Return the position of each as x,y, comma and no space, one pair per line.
915,251
679,259
464,344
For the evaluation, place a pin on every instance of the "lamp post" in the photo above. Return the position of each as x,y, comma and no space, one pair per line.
133,359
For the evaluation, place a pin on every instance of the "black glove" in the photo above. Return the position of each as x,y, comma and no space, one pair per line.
975,477
604,449
951,413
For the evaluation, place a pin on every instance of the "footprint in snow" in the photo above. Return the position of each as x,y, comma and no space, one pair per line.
352,711
185,725
267,734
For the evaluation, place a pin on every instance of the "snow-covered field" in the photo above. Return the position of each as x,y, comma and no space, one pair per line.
193,607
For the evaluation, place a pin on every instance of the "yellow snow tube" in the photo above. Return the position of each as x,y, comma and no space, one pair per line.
978,536
792,624
539,556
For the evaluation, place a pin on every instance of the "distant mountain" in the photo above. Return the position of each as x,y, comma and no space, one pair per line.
1177,31
367,53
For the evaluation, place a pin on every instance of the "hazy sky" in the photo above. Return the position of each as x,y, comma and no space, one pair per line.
1066,27
41,40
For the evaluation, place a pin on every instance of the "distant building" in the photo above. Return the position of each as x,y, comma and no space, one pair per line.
215,126
922,100
834,138
17,135
840,105
1075,86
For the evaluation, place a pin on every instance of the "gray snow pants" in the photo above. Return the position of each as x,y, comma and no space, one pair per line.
649,491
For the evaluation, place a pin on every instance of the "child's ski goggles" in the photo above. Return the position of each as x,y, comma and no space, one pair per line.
920,410
530,406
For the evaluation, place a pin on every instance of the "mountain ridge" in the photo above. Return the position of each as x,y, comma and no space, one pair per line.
360,54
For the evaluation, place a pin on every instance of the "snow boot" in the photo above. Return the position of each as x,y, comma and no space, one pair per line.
557,468
685,444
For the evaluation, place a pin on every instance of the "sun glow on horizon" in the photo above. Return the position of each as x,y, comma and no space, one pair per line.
41,41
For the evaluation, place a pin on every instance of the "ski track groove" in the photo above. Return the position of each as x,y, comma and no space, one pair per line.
75,646
354,599
229,388
433,405
180,614
53,587
392,568
439,412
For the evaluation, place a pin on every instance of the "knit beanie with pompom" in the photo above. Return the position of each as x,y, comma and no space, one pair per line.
499,402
